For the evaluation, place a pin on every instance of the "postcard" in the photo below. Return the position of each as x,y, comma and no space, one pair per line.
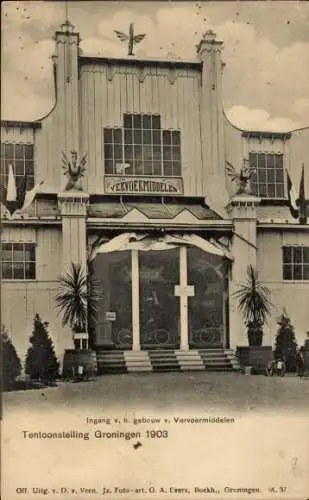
155,250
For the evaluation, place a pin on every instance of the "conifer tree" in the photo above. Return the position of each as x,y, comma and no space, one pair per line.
41,361
286,345
11,365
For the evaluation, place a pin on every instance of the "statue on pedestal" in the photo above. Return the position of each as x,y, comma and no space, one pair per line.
241,178
74,170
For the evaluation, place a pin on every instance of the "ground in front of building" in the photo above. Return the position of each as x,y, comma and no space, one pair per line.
168,392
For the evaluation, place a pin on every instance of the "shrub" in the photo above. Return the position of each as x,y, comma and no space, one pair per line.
11,365
286,345
41,361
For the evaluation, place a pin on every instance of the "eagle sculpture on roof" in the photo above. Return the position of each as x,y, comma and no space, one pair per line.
131,38
241,178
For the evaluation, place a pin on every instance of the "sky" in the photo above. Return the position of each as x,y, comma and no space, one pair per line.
266,51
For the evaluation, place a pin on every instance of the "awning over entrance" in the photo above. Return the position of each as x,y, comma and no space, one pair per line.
145,241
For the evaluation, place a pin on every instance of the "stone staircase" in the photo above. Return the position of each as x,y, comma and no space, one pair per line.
212,360
219,360
137,361
164,361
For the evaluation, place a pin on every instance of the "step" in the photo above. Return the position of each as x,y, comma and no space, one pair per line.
187,368
139,369
157,369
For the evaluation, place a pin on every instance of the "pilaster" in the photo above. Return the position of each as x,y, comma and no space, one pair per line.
73,207
211,117
242,209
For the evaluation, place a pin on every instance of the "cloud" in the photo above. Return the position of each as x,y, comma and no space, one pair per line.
260,75
259,119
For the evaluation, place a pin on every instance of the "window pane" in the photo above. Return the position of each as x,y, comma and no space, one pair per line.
127,121
297,272
139,168
271,190
279,176
156,137
29,251
167,153
6,251
118,135
157,168
108,151
297,254
30,182
30,270
176,154
137,137
262,160
146,121
29,151
147,137
138,152
176,138
280,191
287,272
261,175
118,152
18,270
253,160
306,255
270,159
148,167
279,161
108,135
147,153
270,175
166,137
156,122
262,189
306,272
287,254
168,168
128,151
19,151
176,169
137,121
109,166
7,271
128,136
157,153
9,151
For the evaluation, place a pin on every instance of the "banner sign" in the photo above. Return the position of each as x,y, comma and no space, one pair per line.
164,186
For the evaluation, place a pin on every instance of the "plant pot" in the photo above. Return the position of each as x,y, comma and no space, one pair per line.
256,357
255,335
79,363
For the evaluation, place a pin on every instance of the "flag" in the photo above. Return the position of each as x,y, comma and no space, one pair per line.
301,201
30,195
11,195
292,198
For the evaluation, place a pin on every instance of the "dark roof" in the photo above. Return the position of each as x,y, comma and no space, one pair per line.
20,124
266,135
125,61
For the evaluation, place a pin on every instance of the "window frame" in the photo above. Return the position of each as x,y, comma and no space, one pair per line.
26,160
274,177
24,261
296,262
143,147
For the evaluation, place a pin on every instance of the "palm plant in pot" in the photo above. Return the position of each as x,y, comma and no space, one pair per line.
77,302
255,306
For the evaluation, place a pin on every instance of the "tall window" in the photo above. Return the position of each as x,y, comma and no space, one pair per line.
18,261
141,147
295,263
268,181
20,156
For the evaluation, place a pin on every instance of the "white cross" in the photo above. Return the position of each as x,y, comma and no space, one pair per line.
183,290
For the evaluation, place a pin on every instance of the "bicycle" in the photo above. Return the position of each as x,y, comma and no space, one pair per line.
276,367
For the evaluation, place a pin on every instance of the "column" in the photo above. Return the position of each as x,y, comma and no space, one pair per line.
184,291
242,209
135,301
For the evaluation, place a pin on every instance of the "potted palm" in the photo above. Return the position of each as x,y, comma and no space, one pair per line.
76,301
255,306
